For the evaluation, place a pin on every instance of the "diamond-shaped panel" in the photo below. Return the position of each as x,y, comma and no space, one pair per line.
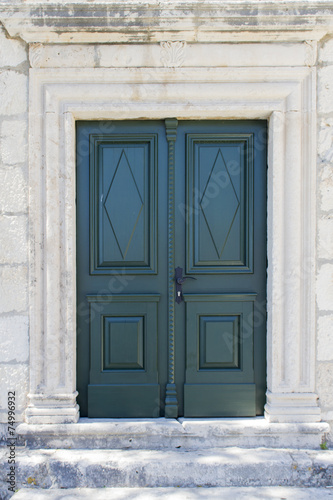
219,204
123,204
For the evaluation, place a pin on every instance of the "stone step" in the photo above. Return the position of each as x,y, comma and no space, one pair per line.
161,433
165,468
232,493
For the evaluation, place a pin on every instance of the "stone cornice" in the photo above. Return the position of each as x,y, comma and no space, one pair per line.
132,21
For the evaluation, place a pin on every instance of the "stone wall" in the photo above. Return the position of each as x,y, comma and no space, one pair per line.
14,324
325,231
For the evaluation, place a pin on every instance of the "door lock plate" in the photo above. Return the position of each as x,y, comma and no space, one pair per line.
180,280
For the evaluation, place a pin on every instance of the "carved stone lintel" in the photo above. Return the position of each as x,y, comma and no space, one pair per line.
172,54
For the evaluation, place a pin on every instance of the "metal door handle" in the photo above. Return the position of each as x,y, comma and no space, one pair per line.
180,279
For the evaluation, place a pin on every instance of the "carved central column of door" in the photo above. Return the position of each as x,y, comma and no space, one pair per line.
171,403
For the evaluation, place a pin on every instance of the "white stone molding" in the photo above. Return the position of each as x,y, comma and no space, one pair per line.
285,97
147,21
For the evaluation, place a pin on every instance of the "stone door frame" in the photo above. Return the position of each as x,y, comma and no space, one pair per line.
285,96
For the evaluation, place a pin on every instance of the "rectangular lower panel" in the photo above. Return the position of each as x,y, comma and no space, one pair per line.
214,400
123,375
124,401
219,338
123,339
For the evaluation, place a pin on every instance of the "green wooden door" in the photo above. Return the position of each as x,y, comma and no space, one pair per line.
152,196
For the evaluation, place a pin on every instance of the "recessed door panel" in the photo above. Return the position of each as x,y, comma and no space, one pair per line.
123,203
220,203
219,341
123,341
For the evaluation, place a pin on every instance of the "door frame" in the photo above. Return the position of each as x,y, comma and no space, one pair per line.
284,96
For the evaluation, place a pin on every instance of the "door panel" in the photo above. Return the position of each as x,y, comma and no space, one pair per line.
228,400
220,200
123,255
123,363
219,354
118,165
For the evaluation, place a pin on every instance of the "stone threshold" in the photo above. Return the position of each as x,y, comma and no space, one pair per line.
161,433
246,493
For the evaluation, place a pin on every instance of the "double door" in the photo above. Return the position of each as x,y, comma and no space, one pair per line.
171,268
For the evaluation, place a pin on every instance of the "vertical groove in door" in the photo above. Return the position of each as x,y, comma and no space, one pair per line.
171,403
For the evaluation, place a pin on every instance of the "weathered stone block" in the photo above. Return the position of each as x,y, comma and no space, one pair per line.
13,93
325,140
14,335
325,89
326,52
13,239
14,143
325,384
12,52
62,56
14,377
325,338
325,287
13,289
325,237
326,187
13,191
